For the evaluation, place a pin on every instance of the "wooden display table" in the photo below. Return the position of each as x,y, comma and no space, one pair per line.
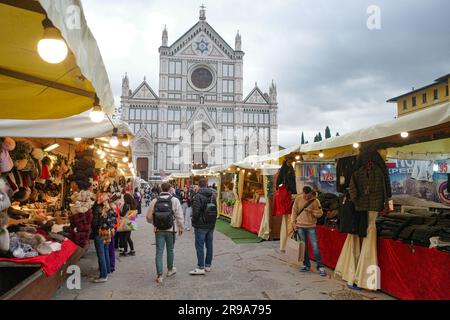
28,281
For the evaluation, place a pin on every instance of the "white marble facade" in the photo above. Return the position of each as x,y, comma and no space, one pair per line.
200,116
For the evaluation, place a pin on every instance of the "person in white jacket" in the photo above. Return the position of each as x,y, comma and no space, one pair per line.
166,237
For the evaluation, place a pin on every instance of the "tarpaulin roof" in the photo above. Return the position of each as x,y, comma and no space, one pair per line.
31,88
432,117
79,125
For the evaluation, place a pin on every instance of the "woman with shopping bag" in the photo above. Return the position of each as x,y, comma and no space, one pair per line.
127,224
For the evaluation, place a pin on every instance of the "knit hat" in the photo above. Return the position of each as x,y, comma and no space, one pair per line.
6,163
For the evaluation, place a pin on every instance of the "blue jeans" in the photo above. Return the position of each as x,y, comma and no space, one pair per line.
204,237
311,234
164,238
104,262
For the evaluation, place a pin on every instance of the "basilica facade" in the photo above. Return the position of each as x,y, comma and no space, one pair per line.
200,116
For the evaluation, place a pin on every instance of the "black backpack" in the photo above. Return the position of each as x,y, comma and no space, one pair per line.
210,215
163,216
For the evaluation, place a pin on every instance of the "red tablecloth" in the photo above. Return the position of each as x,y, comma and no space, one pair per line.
422,274
252,214
52,262
331,242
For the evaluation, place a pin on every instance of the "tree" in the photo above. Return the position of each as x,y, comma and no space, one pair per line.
337,134
303,138
320,137
327,133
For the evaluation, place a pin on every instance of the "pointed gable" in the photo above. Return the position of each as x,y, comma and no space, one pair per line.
145,92
256,97
201,115
217,46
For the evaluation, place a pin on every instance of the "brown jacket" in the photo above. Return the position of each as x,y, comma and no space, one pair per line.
308,217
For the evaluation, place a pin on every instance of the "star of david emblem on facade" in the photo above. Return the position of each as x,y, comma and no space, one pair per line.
202,46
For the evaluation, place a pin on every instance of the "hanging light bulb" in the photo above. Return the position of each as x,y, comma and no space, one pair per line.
130,165
356,145
97,115
77,139
52,48
321,154
102,156
125,141
114,141
404,134
125,158
99,151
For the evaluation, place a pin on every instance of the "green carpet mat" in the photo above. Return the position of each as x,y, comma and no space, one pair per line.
238,235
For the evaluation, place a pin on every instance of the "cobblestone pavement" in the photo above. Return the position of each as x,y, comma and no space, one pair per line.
240,271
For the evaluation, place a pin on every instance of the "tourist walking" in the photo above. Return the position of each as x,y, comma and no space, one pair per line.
128,213
204,216
138,199
166,214
103,232
185,205
305,212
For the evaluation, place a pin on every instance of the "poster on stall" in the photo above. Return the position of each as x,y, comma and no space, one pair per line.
425,179
321,176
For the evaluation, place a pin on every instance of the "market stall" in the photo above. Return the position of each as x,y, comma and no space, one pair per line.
56,108
398,243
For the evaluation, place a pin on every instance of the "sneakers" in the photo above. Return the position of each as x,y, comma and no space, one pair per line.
208,269
197,271
132,253
100,280
159,279
304,269
171,272
322,272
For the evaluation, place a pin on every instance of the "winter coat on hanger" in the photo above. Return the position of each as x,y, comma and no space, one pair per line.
345,168
350,220
368,189
282,202
376,158
286,176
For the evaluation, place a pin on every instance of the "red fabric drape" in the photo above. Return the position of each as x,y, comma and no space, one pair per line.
420,275
331,242
252,214
52,262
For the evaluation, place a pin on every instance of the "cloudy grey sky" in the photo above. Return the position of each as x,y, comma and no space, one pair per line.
330,69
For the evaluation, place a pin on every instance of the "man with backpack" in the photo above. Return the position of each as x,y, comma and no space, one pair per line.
204,215
166,215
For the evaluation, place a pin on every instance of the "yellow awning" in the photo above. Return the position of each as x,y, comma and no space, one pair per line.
31,88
